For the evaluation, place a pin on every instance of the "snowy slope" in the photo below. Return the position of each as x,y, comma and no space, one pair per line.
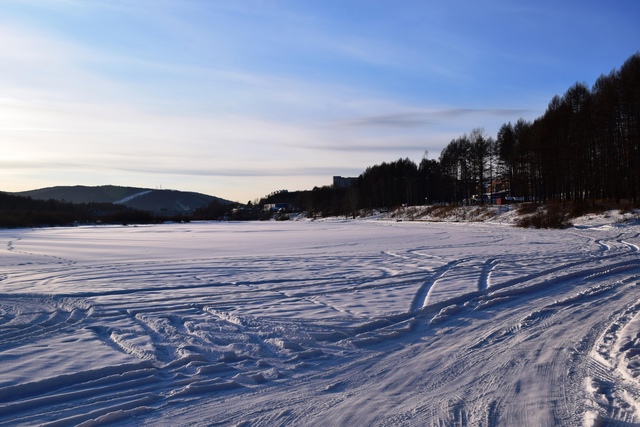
321,323
131,197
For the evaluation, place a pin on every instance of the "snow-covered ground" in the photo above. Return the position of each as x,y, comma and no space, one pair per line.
321,323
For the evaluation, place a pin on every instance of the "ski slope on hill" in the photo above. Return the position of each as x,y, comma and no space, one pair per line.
131,197
321,323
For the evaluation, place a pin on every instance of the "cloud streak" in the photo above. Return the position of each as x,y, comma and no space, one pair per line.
426,118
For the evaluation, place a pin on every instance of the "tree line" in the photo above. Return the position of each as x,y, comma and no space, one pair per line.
584,148
19,211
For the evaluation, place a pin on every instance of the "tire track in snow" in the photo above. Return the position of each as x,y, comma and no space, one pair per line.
55,399
487,268
611,385
529,362
81,398
485,402
29,317
538,319
421,298
269,369
503,293
184,373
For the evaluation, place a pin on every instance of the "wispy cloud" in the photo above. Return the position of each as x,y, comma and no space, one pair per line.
241,172
425,118
399,120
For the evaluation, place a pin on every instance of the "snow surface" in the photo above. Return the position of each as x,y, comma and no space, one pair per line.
321,323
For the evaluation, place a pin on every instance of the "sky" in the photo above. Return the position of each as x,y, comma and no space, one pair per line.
238,99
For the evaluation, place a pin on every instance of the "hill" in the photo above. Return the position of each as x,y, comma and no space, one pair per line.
19,211
168,202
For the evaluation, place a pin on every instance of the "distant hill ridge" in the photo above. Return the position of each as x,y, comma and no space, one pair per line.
151,200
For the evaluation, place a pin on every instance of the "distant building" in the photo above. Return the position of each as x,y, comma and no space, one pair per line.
278,207
343,182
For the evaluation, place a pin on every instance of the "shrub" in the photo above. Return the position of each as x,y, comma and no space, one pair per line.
548,216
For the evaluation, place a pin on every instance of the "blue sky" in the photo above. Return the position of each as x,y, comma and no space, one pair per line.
240,98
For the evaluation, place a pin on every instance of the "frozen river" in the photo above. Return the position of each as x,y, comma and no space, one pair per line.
320,323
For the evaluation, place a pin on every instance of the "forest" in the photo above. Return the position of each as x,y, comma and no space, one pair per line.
585,148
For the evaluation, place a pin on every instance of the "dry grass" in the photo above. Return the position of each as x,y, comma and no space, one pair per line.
529,215
545,216
444,213
558,214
